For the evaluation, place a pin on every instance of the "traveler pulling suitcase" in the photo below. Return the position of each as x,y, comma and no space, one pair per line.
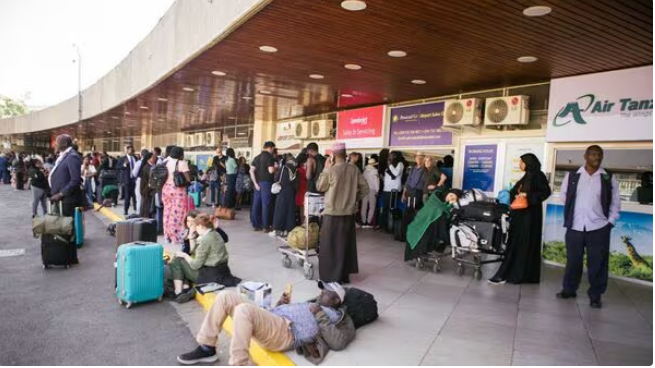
139,272
139,229
78,221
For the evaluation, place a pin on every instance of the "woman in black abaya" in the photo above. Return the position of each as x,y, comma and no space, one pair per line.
522,263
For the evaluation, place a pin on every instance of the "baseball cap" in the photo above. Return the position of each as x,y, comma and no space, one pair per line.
333,286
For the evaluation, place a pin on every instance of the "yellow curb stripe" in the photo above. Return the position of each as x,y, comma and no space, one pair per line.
258,354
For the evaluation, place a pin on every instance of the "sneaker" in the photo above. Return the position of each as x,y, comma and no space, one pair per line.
595,302
256,229
185,296
199,355
496,281
565,295
272,234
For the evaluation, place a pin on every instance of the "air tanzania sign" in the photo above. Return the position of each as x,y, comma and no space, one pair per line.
611,106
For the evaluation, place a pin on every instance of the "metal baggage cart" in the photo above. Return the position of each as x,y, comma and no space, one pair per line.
314,205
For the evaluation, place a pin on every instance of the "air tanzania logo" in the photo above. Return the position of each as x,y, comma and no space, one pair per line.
573,109
588,105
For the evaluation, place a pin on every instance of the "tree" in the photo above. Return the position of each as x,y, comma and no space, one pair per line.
10,107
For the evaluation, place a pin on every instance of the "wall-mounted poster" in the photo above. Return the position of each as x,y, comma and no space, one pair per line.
513,154
480,167
631,242
418,125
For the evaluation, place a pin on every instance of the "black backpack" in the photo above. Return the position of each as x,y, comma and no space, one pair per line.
158,176
360,306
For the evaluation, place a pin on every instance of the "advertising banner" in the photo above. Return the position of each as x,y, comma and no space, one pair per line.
631,243
203,162
480,167
611,106
513,154
285,136
418,125
361,128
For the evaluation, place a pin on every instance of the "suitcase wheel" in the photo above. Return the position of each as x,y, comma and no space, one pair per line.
460,269
309,271
419,264
128,305
120,302
286,262
161,297
436,268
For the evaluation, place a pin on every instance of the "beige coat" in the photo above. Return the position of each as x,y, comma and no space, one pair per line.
343,186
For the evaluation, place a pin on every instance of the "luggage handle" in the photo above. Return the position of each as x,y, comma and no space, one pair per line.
51,211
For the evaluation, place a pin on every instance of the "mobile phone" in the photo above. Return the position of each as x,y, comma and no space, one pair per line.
288,290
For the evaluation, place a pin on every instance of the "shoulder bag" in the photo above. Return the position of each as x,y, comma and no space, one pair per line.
519,202
178,178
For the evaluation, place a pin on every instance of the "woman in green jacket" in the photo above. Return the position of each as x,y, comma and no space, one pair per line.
207,250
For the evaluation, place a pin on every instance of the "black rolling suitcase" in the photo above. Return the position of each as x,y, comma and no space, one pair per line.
139,229
400,230
394,213
57,250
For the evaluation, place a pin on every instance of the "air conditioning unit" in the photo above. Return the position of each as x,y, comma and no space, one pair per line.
322,128
189,140
302,130
212,139
200,139
512,110
466,112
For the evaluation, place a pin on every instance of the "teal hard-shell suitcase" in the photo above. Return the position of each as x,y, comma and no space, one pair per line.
139,272
78,221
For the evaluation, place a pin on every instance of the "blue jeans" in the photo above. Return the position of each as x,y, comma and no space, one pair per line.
261,205
214,190
88,189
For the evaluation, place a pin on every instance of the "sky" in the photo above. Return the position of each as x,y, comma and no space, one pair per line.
37,37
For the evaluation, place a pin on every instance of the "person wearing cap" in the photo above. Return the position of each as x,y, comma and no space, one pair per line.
413,192
284,327
262,173
369,202
343,186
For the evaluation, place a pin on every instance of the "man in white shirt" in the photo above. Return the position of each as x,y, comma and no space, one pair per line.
592,206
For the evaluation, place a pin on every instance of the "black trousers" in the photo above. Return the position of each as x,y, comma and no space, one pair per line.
130,195
597,245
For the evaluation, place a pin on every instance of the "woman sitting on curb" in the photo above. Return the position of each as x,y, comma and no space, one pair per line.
208,252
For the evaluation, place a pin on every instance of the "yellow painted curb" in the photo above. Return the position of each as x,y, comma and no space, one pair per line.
258,354
107,213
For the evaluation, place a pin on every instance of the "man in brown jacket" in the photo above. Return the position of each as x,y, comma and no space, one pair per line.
343,185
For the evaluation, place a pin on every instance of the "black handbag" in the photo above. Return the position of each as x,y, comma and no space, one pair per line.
178,178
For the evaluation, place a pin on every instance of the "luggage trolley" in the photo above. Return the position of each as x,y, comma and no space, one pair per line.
314,205
478,238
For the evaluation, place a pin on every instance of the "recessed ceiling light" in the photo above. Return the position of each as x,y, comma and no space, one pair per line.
160,119
188,89
128,113
536,11
316,76
527,59
218,73
346,95
353,5
353,66
419,81
114,117
397,53
265,92
162,99
144,107
247,98
232,118
268,48
241,133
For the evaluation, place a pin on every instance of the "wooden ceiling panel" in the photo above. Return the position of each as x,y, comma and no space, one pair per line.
454,46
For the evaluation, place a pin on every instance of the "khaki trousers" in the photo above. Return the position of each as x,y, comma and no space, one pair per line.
271,331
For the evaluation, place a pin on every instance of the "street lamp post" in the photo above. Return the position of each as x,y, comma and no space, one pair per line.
79,83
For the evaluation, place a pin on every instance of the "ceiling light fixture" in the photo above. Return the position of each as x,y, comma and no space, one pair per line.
114,117
352,66
526,59
128,113
232,118
353,5
265,92
188,89
160,119
397,53
218,73
144,107
346,95
247,98
419,81
162,99
242,133
316,76
536,11
270,49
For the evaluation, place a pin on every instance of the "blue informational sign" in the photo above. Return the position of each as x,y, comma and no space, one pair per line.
203,162
480,167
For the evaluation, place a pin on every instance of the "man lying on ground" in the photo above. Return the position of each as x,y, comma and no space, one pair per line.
284,327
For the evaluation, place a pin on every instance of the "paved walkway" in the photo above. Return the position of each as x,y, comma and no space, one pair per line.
444,319
426,318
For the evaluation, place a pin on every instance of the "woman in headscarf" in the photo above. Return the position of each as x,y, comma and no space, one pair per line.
284,217
147,209
428,232
522,263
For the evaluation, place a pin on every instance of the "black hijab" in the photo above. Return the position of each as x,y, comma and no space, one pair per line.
533,175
